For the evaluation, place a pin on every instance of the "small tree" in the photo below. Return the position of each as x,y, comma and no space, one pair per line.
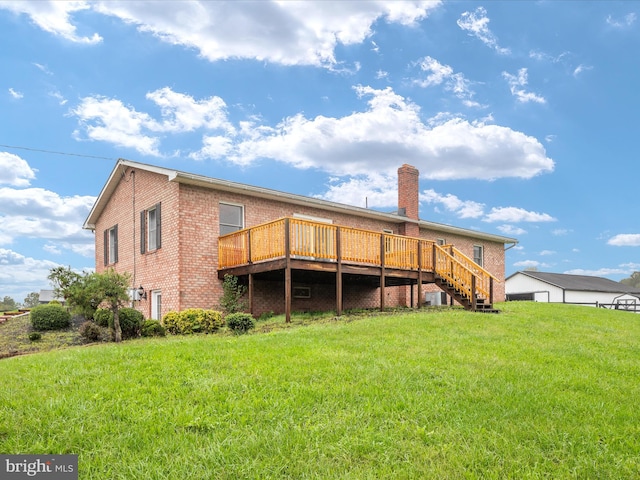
232,293
62,279
32,300
7,304
113,289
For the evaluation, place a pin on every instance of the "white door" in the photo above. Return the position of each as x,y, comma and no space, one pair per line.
156,305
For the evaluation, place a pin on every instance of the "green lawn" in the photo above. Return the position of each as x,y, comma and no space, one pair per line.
539,391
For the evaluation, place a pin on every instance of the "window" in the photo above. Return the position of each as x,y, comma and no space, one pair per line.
156,304
231,218
111,245
441,241
301,292
478,254
150,231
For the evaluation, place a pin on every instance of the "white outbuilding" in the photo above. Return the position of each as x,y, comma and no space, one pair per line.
576,289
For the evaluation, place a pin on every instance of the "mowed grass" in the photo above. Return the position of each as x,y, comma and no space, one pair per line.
539,391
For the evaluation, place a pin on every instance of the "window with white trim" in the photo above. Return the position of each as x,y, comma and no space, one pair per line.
231,218
150,229
111,245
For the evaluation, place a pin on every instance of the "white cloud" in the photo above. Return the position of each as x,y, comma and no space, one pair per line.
181,113
515,215
15,171
517,84
386,134
625,240
511,230
21,275
547,252
109,120
371,190
462,209
39,213
560,232
581,68
471,209
42,68
601,272
288,33
531,264
476,24
438,74
389,133
624,22
15,94
58,96
53,17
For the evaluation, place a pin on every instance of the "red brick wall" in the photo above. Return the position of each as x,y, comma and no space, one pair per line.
155,270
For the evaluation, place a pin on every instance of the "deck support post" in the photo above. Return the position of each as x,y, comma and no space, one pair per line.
382,273
473,293
491,290
411,296
251,293
338,273
419,274
287,272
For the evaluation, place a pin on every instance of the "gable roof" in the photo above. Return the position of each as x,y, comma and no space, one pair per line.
261,192
583,283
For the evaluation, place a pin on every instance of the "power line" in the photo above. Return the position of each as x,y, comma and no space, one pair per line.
56,153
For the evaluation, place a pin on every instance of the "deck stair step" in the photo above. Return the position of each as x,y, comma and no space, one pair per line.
481,304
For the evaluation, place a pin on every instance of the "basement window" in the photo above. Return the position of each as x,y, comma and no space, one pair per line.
301,292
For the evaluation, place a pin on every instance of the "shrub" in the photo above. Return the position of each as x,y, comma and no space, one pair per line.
232,300
103,317
240,323
35,336
212,320
152,328
90,331
50,317
170,322
131,321
193,320
266,316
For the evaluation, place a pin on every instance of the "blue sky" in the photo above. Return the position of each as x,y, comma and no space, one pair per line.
522,117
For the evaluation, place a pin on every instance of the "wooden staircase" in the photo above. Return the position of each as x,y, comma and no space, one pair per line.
464,280
481,304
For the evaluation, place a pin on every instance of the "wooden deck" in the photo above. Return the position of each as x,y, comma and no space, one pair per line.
290,244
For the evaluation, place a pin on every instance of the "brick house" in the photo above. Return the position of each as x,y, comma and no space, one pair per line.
178,234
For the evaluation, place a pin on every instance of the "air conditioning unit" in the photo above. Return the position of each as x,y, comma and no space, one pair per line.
435,298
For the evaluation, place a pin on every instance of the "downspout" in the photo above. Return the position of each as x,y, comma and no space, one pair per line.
133,206
510,247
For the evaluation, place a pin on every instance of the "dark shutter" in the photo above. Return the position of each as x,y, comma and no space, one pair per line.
115,244
143,230
106,247
158,227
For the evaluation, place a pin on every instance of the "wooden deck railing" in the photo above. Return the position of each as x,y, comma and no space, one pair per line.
319,241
